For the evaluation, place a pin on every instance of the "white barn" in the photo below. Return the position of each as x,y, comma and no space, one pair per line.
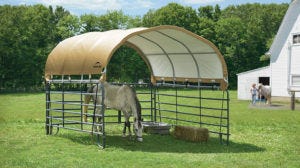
283,73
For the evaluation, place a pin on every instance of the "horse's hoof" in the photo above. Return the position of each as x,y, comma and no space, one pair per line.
124,136
140,139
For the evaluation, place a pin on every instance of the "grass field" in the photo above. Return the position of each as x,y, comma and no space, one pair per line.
260,137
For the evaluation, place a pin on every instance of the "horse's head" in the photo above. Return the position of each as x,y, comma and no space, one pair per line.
259,86
138,129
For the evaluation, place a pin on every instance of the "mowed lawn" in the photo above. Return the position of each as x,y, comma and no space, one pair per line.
260,137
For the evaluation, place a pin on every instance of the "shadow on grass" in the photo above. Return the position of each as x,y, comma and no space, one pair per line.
273,106
166,143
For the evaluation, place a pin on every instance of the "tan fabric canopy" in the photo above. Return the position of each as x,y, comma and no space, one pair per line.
171,53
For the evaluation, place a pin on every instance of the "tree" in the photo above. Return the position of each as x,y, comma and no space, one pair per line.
231,42
208,16
127,66
172,14
206,12
24,44
68,26
64,24
89,23
110,20
217,13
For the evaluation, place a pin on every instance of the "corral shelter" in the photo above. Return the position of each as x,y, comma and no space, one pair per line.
171,54
283,73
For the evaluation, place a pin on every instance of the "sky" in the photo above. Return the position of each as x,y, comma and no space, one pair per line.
129,7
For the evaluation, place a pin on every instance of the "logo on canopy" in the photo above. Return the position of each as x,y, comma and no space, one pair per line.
97,65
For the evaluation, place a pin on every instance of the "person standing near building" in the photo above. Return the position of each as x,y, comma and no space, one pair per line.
253,92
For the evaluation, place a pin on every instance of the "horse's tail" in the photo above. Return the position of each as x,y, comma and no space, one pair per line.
87,99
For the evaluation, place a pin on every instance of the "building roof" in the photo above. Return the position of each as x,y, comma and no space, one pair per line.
285,29
255,70
171,53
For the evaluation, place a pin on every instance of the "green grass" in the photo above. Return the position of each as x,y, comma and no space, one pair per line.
260,137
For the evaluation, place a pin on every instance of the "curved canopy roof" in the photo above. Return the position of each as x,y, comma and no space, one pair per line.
171,53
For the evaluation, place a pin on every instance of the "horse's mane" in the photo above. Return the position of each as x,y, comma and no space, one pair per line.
138,108
137,104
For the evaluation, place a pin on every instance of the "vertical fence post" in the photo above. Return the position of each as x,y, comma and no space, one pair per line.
221,119
176,100
103,115
200,103
47,125
95,108
81,102
152,101
228,126
63,101
293,101
119,117
155,102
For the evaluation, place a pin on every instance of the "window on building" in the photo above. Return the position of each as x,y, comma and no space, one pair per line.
296,39
295,80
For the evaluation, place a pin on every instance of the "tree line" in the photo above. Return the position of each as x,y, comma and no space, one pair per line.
243,33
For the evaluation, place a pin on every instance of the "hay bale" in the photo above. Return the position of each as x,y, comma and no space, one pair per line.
194,134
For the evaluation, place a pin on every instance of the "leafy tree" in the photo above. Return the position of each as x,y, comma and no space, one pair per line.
207,29
67,26
206,12
208,16
172,14
24,36
127,66
217,13
231,42
89,23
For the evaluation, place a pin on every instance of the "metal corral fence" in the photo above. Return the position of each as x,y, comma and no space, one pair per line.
175,104
64,107
194,104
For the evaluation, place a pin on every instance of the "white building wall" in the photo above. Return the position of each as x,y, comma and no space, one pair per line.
295,68
280,62
295,57
246,79
279,74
